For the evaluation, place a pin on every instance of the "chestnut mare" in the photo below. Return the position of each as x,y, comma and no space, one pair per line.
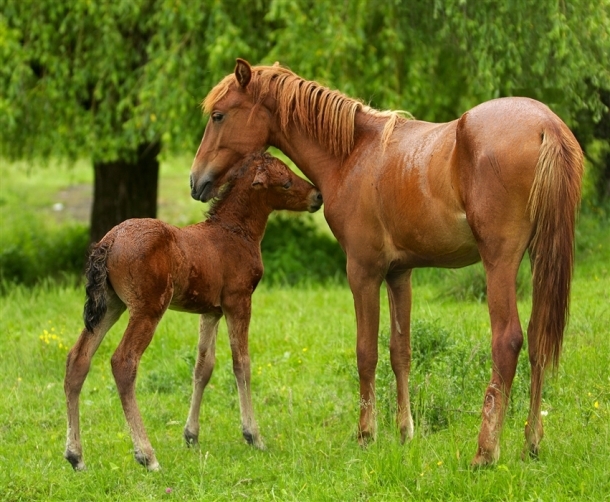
211,268
398,194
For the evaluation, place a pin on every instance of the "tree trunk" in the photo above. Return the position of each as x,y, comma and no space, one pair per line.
125,189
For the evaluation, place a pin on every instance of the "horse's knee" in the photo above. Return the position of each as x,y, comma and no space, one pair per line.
367,362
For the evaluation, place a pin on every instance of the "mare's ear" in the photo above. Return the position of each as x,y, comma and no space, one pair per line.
243,72
260,180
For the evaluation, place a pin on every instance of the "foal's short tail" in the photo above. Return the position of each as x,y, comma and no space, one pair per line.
553,206
97,273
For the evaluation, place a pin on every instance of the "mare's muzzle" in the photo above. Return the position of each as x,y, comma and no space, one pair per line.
203,188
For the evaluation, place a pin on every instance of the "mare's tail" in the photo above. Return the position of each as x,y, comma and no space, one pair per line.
97,285
553,206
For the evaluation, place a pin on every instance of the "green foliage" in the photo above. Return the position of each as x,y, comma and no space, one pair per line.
103,78
100,79
295,250
32,250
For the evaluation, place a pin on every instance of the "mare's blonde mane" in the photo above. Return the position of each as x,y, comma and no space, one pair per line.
322,113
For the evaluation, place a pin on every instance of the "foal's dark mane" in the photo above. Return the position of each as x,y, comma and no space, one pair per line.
220,200
322,113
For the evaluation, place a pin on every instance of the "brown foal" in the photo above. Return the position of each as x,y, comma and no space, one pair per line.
502,180
211,268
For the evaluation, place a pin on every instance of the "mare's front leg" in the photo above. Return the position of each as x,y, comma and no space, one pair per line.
125,361
208,329
399,294
365,284
77,368
237,309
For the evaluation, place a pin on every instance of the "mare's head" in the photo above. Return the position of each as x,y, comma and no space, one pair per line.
254,106
275,184
233,131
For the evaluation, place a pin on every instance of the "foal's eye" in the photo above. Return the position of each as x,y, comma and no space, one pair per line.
217,117
286,186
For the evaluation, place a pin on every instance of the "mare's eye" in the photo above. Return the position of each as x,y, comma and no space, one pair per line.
217,117
286,186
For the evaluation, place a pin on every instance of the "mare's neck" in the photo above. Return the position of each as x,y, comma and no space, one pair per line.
244,212
324,169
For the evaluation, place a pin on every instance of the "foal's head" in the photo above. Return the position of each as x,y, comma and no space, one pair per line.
283,189
273,184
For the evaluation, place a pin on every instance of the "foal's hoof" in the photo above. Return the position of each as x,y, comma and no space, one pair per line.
482,460
530,451
365,438
76,460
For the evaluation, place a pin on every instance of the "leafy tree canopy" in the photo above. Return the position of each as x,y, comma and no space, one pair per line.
101,78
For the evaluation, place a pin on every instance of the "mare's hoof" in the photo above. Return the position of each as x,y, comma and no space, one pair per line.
254,440
190,438
149,462
76,460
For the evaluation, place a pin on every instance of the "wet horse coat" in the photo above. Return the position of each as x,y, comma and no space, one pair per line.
399,194
211,268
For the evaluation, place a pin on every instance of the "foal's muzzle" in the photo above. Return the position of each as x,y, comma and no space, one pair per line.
315,201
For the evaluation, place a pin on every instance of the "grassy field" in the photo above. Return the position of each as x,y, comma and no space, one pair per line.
305,391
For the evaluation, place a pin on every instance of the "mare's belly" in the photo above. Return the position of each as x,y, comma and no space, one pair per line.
448,243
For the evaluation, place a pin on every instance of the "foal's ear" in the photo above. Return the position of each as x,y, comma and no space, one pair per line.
243,72
260,180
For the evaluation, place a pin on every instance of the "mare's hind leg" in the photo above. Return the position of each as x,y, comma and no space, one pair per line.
237,310
208,329
501,266
399,293
533,426
125,361
77,368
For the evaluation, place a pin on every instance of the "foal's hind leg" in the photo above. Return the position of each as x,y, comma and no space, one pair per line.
125,361
208,328
399,293
77,368
237,311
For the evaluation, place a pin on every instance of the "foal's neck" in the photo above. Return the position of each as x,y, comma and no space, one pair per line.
243,213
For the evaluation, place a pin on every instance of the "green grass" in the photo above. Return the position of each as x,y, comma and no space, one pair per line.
305,391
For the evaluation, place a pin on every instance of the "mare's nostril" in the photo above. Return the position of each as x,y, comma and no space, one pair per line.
319,196
191,179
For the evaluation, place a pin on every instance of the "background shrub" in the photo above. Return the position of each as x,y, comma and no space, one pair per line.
33,249
295,250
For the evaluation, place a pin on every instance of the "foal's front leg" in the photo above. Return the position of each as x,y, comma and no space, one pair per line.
208,329
238,311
